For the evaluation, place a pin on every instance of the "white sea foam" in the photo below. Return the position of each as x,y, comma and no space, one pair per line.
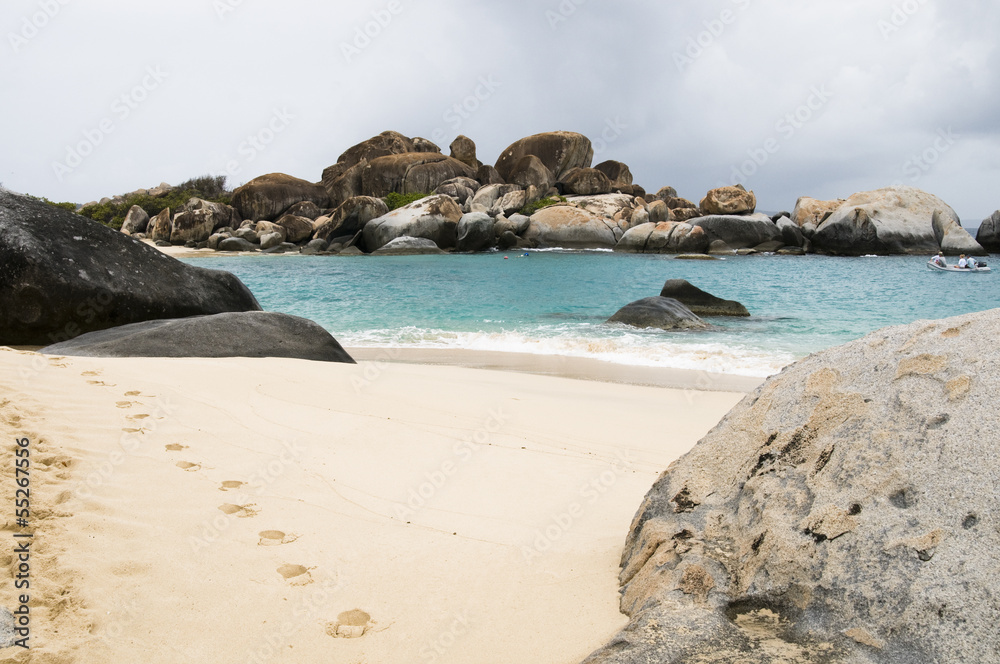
628,349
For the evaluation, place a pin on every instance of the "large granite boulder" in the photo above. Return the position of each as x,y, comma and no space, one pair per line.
729,200
424,145
894,220
667,237
529,171
952,238
160,226
988,235
488,195
809,213
463,148
192,226
62,275
608,206
739,231
846,511
570,227
136,221
268,196
701,302
411,173
433,218
617,172
584,182
242,334
350,217
408,246
486,174
658,312
461,189
475,232
560,151
297,229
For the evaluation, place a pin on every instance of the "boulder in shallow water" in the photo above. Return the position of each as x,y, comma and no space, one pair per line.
434,218
408,246
659,312
62,275
846,511
247,334
700,302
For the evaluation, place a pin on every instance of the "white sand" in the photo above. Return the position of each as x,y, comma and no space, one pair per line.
521,489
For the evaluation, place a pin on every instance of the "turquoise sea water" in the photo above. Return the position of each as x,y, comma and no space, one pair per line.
556,302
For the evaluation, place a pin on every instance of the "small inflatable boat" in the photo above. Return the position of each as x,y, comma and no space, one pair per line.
954,268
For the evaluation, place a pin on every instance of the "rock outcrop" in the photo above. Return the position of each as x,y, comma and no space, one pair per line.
739,231
700,302
894,220
570,228
560,151
411,173
405,245
463,149
268,196
136,221
244,334
617,172
584,182
350,217
475,232
844,512
62,275
658,312
433,218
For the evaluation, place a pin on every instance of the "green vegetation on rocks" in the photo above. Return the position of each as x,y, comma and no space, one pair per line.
532,208
207,187
396,201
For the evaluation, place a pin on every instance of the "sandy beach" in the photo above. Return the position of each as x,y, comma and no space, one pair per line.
272,510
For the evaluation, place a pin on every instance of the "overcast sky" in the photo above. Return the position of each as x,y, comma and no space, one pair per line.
820,98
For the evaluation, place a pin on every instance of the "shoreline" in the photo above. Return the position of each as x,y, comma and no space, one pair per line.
576,368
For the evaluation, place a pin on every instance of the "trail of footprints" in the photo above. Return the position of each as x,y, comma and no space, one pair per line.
295,575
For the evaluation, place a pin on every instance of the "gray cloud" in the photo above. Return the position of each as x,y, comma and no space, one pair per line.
821,99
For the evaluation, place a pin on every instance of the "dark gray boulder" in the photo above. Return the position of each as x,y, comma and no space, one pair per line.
241,334
62,275
237,244
989,233
739,231
268,196
475,232
700,302
659,312
846,511
408,246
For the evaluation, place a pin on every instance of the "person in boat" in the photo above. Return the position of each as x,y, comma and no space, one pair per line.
972,263
963,263
939,260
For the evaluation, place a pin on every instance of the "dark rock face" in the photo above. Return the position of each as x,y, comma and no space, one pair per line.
853,234
989,233
585,182
529,171
700,302
160,227
297,229
560,151
475,232
62,275
668,237
411,173
136,221
843,512
486,174
351,216
659,312
248,334
267,197
463,148
617,172
739,231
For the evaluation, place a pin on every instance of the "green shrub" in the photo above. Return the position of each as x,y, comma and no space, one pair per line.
207,187
532,208
396,201
62,206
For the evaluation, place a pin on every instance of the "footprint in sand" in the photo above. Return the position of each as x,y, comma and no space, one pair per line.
350,625
174,447
133,393
139,416
98,382
91,373
239,511
275,538
296,575
188,466
126,404
228,485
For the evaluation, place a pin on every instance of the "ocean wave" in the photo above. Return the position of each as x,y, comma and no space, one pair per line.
634,349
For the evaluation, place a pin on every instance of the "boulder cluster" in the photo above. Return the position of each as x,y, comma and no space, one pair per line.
543,192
